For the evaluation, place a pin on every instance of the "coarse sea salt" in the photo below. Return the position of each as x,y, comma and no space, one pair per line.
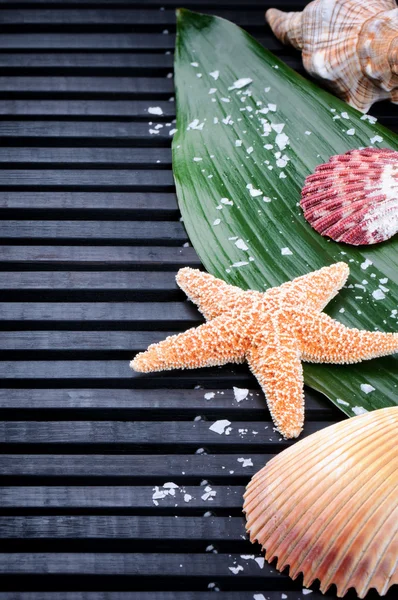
342,402
209,395
216,221
220,426
253,191
238,143
240,83
376,138
194,64
281,141
378,295
286,252
241,244
278,127
197,158
155,110
246,462
367,388
259,597
241,263
350,131
226,201
366,264
215,74
212,90
250,150
235,570
307,132
359,410
372,120
195,124
240,393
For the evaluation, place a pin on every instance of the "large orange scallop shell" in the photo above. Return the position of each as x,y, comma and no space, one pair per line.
353,198
327,507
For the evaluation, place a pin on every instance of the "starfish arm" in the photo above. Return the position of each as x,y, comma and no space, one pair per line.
215,343
212,296
315,289
274,358
323,339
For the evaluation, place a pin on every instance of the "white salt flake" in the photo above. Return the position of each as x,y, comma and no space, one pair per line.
253,192
212,90
307,132
272,107
372,120
240,83
238,143
220,426
367,388
267,89
342,310
376,138
215,74
197,158
246,462
268,146
199,75
187,497
378,295
342,402
260,560
249,150
172,131
366,264
216,221
153,131
282,175
225,100
305,591
283,596
241,263
350,131
345,115
241,244
195,125
286,252
240,393
281,141
384,280
226,201
259,597
209,395
235,570
215,120
155,110
359,410
278,127
194,64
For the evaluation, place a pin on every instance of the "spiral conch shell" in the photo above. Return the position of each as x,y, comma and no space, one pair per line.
351,45
328,506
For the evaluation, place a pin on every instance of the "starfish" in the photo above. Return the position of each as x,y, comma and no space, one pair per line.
274,331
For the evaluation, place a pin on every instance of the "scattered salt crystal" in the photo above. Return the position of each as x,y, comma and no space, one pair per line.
345,115
283,596
376,138
241,263
172,131
227,120
272,107
281,140
212,90
246,462
225,100
235,570
359,410
155,110
194,64
220,426
378,295
342,402
278,127
238,143
263,111
282,175
215,74
366,264
286,252
226,201
365,387
253,192
197,159
260,560
307,132
268,146
305,592
267,89
342,310
199,75
209,395
215,120
241,245
240,83
249,150
384,280
195,125
170,485
187,497
240,393
217,222
153,131
350,131
258,597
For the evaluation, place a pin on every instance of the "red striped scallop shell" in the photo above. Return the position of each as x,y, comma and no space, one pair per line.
354,197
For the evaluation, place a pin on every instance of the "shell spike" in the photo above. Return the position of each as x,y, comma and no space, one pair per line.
286,26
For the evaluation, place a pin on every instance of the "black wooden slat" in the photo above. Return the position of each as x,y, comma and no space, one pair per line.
46,312
151,42
144,62
124,527
87,109
171,565
230,595
133,497
67,132
88,280
221,401
94,179
137,233
237,4
158,204
156,257
157,468
193,433
94,157
90,85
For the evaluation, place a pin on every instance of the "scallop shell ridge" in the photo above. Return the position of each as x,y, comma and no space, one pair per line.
327,507
354,197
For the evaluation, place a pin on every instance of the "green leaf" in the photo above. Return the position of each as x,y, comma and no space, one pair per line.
209,165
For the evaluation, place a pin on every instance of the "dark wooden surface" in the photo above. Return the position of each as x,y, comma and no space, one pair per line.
90,244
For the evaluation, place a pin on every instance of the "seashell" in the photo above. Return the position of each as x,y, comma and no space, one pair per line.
328,506
351,45
354,197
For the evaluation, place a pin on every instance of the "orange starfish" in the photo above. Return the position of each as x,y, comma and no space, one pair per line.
274,331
